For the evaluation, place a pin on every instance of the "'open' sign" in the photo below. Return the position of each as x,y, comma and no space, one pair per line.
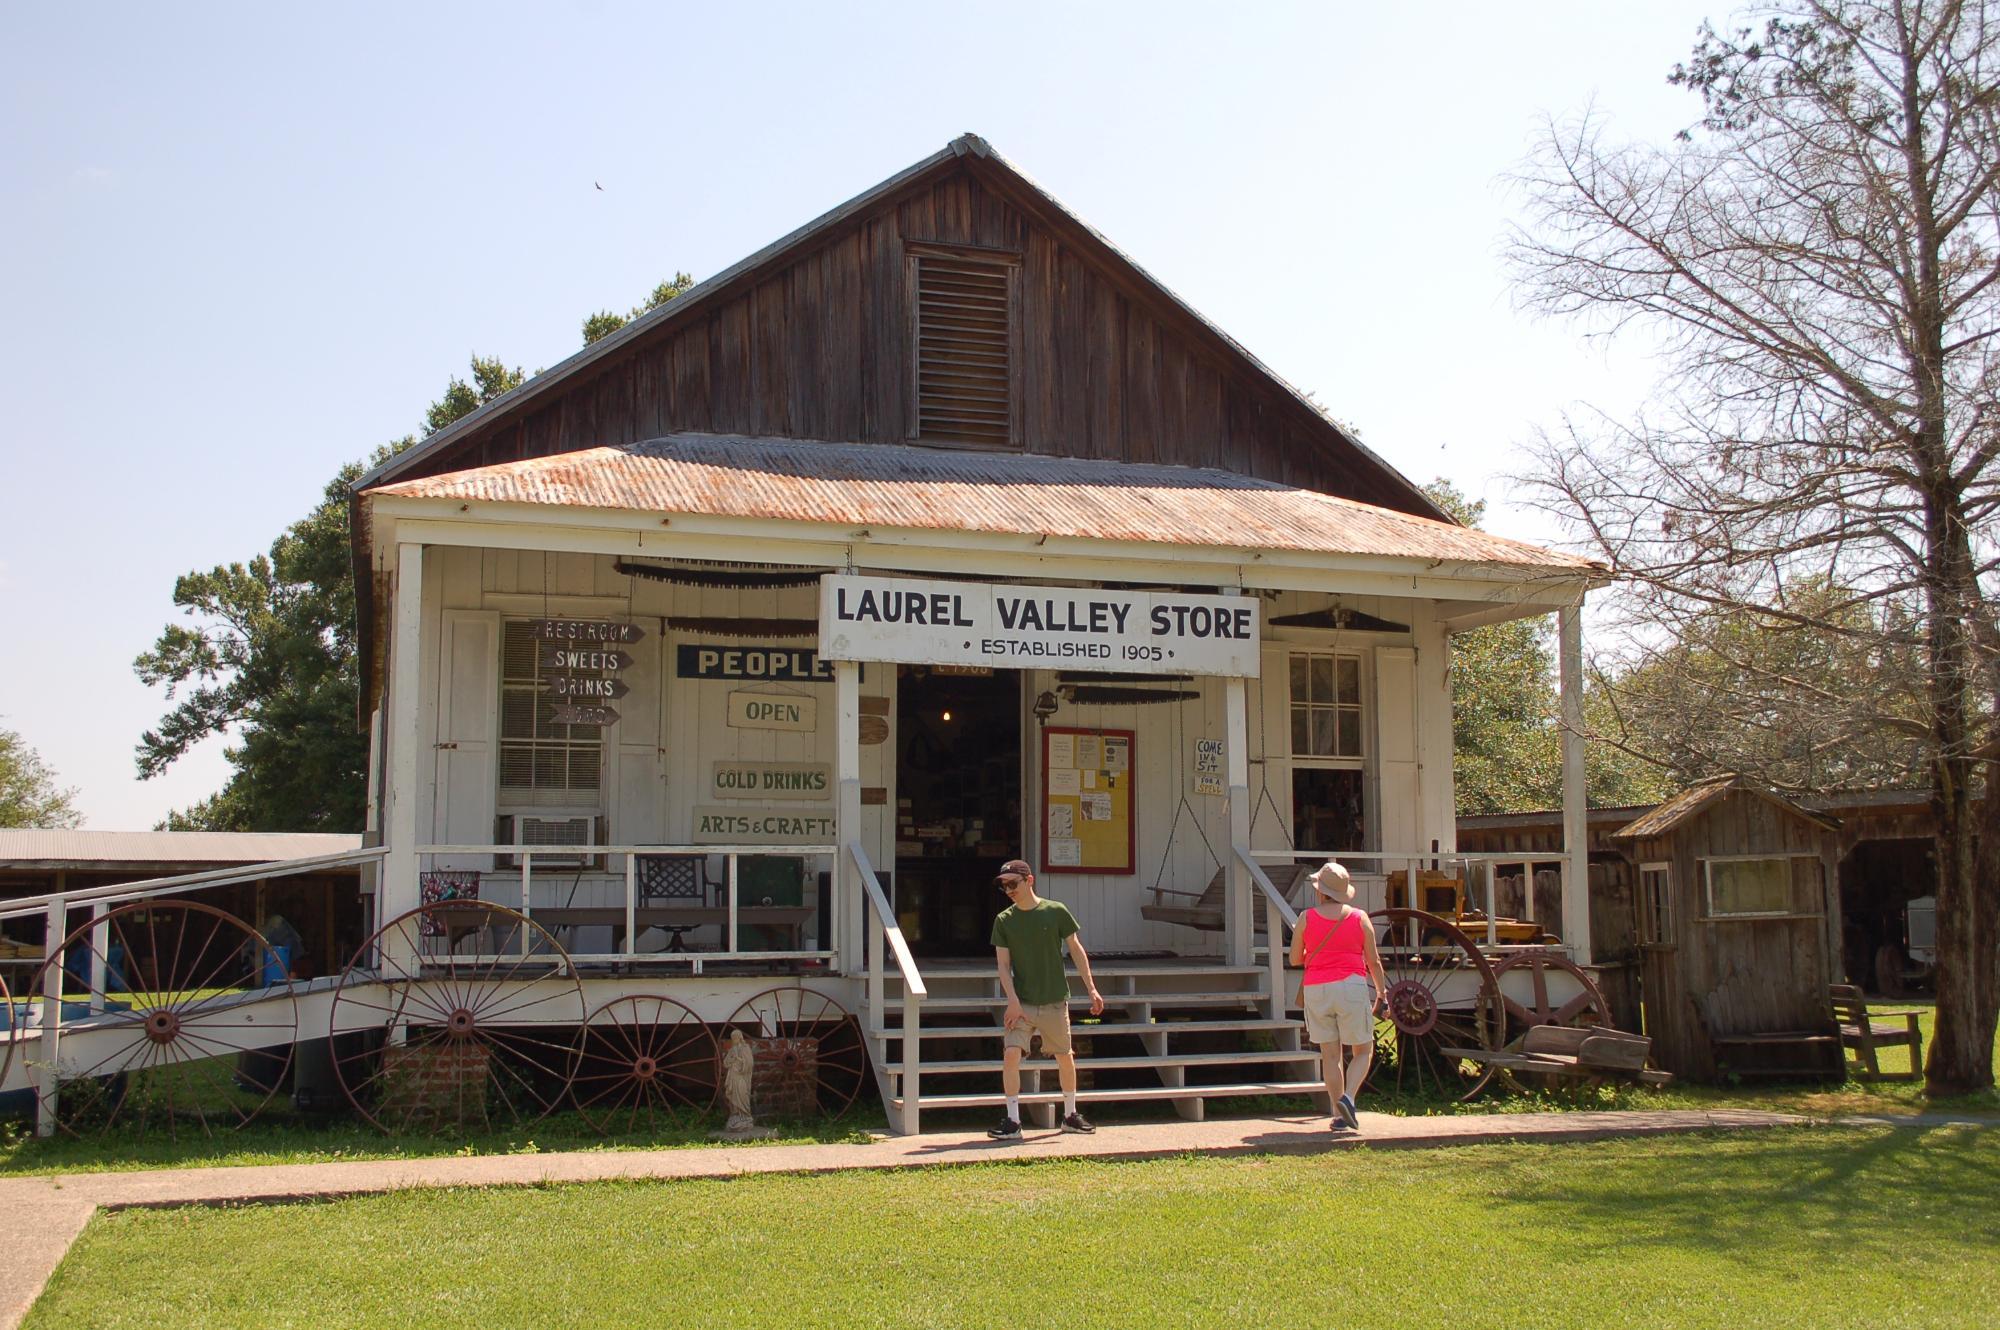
773,711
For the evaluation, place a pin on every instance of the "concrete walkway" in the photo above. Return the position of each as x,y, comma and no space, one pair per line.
46,1213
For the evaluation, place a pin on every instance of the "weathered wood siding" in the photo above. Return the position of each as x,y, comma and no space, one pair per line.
1738,976
820,348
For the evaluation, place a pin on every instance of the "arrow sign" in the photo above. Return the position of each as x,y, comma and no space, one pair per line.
561,656
585,686
572,713
585,631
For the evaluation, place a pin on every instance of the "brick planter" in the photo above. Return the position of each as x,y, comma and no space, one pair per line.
784,1081
443,1082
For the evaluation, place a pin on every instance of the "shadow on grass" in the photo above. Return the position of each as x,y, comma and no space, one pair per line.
1861,1188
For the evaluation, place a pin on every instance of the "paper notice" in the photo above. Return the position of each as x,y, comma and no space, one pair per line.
1062,821
1089,752
1089,779
1062,751
1065,852
1063,782
1117,753
1097,807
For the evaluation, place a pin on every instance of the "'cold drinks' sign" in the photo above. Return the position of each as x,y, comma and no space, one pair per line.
1028,627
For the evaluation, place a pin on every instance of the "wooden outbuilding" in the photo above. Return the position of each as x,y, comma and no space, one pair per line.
1734,905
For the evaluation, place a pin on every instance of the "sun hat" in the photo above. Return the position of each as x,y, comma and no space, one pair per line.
1331,881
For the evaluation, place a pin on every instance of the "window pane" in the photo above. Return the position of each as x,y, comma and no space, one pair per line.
1322,678
1757,886
1350,679
1350,733
1301,730
1298,678
1322,732
517,714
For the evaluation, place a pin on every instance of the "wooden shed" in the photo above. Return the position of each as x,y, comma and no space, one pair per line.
1734,914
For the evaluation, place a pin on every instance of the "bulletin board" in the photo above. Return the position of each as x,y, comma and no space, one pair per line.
1087,819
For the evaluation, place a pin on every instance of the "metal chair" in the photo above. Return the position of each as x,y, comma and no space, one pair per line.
669,877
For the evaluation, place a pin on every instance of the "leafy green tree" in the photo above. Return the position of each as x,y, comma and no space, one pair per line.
268,656
29,795
1506,726
604,322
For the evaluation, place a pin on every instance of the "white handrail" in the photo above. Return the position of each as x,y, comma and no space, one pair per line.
1276,907
888,936
899,947
22,906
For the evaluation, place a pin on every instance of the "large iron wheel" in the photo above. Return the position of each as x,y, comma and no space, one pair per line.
811,1057
458,1013
1443,1005
1586,1007
647,1062
167,1023
11,1022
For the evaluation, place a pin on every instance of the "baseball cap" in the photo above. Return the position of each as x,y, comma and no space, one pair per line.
1013,868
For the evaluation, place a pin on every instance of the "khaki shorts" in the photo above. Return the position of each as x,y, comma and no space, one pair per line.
1050,1021
1342,1012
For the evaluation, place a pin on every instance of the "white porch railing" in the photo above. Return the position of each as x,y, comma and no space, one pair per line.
54,909
885,936
1478,871
607,878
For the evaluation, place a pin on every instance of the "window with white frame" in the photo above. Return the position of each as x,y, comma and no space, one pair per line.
543,762
1742,887
1656,904
1326,704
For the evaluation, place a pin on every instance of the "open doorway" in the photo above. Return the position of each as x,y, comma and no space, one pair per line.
958,802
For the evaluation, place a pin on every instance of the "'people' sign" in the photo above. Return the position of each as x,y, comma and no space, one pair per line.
1029,627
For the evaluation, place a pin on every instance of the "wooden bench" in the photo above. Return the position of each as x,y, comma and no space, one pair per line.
1205,911
1756,1050
1862,1033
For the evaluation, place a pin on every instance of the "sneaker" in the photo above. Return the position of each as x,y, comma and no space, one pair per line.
1345,1107
1077,1125
1008,1130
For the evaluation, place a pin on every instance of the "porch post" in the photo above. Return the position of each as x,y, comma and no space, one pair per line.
1239,927
397,891
1576,823
850,906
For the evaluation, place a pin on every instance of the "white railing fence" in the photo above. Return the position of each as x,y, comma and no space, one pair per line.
885,938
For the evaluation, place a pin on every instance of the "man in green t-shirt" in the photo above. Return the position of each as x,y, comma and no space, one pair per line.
1028,940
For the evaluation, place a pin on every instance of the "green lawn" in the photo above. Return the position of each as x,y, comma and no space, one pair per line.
1796,1228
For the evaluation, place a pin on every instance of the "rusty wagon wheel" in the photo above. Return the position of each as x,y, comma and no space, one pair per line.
458,1013
10,1022
647,1062
1586,1007
1441,997
811,1060
166,1021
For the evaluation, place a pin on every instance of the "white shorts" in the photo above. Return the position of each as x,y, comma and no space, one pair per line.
1342,1012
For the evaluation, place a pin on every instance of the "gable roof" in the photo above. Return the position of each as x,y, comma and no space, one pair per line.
1695,799
901,486
696,300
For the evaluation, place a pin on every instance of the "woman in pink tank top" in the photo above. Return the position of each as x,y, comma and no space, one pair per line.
1335,945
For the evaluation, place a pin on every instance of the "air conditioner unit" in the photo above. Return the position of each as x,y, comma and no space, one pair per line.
545,831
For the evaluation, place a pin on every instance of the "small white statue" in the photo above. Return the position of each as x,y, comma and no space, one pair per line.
739,1065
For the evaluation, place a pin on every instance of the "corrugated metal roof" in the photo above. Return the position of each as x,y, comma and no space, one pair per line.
1695,798
889,485
36,848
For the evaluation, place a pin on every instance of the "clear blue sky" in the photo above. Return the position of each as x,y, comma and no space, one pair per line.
243,244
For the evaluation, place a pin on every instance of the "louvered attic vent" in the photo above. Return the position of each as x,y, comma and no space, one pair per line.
963,372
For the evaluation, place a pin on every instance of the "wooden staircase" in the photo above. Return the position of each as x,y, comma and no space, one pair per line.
1181,1032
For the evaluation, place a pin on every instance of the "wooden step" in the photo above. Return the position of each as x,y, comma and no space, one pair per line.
1210,999
1164,1092
1098,969
1112,1064
1112,1027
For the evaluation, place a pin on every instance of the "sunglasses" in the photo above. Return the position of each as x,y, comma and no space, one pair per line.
1007,884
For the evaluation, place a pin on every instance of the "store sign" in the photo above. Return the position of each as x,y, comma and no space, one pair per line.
585,630
1027,627
762,826
587,687
567,713
773,711
770,780
557,656
792,664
